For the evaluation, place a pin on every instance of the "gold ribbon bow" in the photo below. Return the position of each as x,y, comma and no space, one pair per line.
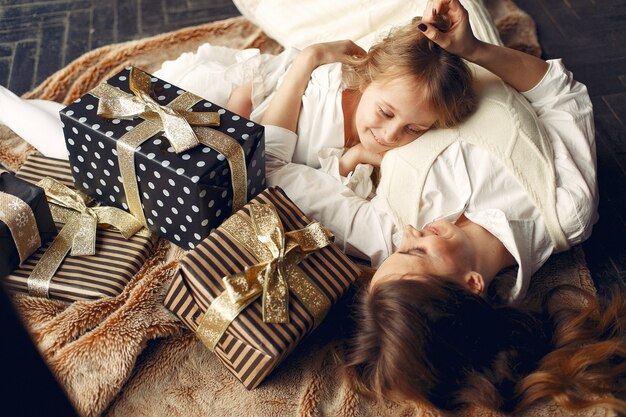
276,274
78,235
176,121
21,221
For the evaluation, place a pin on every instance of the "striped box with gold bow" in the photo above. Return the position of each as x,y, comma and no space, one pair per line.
260,283
178,163
88,258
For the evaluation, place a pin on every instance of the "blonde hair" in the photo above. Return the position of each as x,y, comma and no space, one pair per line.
405,51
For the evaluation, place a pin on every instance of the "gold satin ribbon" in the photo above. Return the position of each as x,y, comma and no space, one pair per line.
21,221
276,274
176,121
78,235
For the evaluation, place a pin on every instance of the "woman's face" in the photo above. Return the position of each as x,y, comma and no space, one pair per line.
440,249
392,113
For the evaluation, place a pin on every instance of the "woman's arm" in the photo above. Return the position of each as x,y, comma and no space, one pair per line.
562,105
284,109
518,69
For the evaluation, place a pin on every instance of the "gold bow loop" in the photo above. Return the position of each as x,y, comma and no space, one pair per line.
78,235
175,123
270,277
67,205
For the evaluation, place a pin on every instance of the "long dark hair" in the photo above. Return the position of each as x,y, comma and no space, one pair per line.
432,341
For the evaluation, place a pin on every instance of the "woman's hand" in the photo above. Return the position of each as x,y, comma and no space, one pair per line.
446,23
329,52
357,155
520,70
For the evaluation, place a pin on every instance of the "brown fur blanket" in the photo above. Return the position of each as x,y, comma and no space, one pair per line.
128,356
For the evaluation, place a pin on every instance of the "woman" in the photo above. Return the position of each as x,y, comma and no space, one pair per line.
424,330
518,177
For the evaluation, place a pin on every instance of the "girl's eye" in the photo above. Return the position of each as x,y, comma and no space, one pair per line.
413,130
384,113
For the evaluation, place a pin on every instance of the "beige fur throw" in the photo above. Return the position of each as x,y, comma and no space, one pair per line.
128,356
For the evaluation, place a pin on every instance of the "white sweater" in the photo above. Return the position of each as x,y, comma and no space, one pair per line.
504,125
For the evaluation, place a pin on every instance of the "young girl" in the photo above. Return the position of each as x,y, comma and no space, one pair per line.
425,331
334,95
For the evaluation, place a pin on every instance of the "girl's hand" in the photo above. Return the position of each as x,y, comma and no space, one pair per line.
284,108
357,155
446,23
329,52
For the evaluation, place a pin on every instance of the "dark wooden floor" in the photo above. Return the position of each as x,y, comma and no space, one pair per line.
40,37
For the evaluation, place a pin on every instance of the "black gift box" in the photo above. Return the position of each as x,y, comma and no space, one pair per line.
184,196
36,199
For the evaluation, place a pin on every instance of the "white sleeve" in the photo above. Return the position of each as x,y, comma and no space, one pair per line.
566,113
360,228
280,142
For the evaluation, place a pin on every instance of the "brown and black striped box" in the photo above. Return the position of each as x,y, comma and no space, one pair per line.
104,274
251,348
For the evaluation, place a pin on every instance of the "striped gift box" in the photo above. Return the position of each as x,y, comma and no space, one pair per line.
104,274
251,348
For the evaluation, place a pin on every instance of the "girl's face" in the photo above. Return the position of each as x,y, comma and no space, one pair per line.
441,249
392,113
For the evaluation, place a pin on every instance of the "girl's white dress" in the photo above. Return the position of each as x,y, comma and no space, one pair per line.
213,71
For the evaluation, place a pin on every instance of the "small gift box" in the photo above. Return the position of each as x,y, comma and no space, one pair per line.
258,284
178,163
25,221
114,259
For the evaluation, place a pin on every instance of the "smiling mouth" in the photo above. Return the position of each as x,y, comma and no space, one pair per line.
378,140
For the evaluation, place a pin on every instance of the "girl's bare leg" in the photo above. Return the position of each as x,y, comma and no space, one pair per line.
240,100
35,121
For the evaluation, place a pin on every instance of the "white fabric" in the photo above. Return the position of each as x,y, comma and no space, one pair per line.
213,71
299,23
463,178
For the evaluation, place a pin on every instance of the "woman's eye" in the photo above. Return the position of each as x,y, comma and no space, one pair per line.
413,130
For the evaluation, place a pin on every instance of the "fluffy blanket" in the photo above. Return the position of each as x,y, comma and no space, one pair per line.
129,356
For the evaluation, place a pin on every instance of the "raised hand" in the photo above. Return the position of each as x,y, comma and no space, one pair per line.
446,23
337,51
284,109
